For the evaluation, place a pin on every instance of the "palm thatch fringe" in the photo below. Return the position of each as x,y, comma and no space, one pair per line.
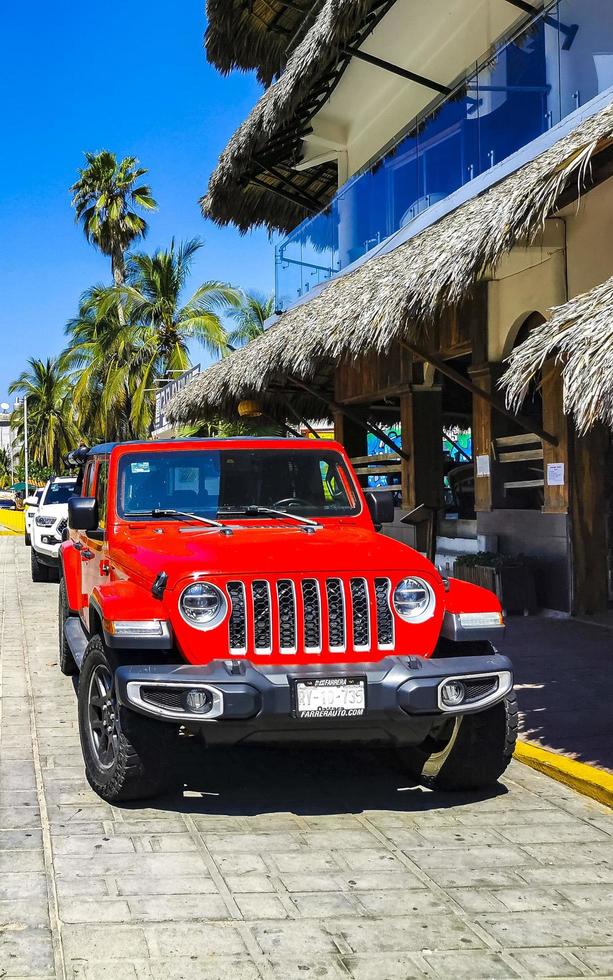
226,201
580,335
398,294
250,34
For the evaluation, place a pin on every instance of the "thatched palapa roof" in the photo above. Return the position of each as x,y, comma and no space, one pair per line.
255,182
255,34
580,335
397,294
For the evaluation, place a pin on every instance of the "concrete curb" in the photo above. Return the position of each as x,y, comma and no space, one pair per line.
585,779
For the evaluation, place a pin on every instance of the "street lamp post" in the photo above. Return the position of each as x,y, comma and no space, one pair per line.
5,407
25,442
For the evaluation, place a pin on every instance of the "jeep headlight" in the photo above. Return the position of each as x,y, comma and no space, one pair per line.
44,521
414,600
203,605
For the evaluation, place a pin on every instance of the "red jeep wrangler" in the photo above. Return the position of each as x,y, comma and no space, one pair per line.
238,589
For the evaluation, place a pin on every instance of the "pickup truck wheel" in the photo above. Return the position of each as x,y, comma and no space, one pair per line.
67,664
40,572
27,540
127,756
472,753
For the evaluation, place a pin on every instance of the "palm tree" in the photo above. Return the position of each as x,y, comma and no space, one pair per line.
105,197
154,294
250,318
5,468
126,338
52,427
105,358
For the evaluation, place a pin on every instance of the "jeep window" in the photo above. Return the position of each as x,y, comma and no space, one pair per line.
101,484
58,493
225,483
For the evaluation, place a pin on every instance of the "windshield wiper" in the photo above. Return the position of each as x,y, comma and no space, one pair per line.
159,512
254,510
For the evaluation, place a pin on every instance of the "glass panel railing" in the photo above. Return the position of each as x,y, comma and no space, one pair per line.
559,62
586,51
518,92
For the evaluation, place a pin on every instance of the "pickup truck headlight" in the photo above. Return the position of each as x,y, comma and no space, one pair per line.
44,521
414,600
203,605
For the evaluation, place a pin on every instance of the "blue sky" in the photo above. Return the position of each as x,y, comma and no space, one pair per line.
130,76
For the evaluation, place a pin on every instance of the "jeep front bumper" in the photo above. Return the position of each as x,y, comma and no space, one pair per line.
404,697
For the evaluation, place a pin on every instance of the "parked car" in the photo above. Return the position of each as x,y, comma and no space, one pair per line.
48,526
31,506
238,588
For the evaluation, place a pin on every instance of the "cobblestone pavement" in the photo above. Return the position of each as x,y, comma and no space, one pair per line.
275,864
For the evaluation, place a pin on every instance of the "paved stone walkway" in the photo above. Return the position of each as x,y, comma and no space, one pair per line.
274,864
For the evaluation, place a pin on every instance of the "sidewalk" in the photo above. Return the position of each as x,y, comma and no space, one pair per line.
564,683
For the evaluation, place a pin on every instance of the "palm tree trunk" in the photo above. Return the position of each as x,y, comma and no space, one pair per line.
118,267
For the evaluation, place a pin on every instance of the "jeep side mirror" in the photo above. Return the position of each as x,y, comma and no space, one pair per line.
381,507
31,502
83,514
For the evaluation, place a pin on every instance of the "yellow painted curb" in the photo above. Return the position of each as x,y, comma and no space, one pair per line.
12,520
588,780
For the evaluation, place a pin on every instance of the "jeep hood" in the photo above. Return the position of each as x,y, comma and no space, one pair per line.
267,551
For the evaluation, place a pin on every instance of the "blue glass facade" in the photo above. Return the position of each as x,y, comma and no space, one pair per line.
559,62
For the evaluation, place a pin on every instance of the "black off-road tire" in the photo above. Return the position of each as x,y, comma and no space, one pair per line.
27,539
144,764
65,657
474,753
40,572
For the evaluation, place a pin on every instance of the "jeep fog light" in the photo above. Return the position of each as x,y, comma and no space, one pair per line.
200,701
453,693
203,605
414,600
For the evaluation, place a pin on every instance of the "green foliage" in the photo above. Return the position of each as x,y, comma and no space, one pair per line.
106,196
5,468
224,429
250,317
52,425
128,336
124,339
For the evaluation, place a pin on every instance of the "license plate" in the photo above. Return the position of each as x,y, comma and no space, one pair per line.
330,697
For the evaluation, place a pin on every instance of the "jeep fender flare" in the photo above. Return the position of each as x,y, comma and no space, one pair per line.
70,561
125,602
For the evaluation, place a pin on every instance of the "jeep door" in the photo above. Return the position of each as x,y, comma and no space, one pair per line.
94,545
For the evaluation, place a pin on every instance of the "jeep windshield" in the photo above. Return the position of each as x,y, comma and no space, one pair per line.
244,483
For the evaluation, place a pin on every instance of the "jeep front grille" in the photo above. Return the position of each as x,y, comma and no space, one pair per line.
287,615
238,618
385,618
311,615
262,627
336,614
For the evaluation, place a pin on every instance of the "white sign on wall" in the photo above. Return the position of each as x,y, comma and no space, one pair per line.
483,466
555,474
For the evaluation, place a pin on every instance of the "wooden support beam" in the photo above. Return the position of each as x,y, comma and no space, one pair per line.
336,407
273,172
299,417
494,400
411,76
292,198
